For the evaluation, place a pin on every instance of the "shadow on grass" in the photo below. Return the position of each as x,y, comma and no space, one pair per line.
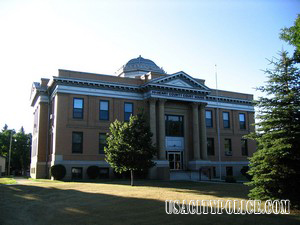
21,204
223,190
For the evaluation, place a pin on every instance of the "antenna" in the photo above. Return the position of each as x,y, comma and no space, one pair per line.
218,123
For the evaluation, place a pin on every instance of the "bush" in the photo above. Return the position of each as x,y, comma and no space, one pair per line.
92,172
230,179
58,172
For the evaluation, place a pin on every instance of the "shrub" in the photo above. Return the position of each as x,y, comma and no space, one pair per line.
230,179
92,172
58,172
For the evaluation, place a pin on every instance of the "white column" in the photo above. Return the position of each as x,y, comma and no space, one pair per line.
162,129
152,111
203,139
196,144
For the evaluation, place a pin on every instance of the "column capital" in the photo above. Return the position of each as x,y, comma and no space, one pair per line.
162,101
203,105
195,104
152,100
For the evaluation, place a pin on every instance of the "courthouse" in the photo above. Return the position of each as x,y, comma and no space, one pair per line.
199,132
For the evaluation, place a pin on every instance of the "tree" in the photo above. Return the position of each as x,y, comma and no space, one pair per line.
5,140
275,166
129,146
20,150
292,36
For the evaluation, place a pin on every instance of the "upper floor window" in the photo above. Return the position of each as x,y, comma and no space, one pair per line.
78,108
226,121
244,147
128,111
174,126
210,146
104,110
77,142
242,118
227,147
208,118
102,143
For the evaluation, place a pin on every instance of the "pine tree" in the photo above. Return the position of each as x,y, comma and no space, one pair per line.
292,36
129,146
275,166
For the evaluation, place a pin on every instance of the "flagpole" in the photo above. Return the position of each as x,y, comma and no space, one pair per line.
218,122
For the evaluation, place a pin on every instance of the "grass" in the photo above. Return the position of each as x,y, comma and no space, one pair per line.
115,202
7,180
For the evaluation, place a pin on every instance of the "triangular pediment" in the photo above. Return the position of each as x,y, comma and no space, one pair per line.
179,83
180,80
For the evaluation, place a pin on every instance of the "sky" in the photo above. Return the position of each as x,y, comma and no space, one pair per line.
38,37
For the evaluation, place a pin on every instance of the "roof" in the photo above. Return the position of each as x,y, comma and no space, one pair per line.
140,64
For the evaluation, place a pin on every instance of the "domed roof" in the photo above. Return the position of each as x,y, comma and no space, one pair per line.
140,64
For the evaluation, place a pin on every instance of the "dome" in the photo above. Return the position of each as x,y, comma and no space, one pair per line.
138,67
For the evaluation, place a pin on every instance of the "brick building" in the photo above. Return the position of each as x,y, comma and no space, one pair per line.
73,111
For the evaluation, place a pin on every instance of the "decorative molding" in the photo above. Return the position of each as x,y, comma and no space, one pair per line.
179,83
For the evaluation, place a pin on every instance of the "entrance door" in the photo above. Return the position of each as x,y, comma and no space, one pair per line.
175,160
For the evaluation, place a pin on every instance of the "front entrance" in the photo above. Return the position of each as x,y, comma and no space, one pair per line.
175,160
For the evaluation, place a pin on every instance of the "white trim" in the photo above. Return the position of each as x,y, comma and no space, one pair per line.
202,162
99,92
222,105
141,96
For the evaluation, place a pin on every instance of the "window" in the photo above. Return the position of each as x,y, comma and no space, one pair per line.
244,147
226,122
76,173
128,111
104,110
174,126
210,146
208,118
229,171
102,143
78,108
77,140
227,147
242,118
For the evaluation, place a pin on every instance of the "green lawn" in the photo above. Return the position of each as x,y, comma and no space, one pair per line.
6,180
115,202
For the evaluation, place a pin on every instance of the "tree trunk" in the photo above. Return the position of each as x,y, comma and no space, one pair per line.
131,172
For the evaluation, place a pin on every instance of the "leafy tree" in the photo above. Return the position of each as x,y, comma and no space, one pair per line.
5,140
129,146
275,167
292,36
20,150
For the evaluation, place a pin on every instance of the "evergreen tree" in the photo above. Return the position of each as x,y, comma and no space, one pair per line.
21,151
129,146
292,36
275,166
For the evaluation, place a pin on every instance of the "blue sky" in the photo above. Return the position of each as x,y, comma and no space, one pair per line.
39,37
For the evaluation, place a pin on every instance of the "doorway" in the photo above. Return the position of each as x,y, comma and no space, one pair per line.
175,160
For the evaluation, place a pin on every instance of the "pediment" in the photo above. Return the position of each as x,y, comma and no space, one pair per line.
180,80
179,83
